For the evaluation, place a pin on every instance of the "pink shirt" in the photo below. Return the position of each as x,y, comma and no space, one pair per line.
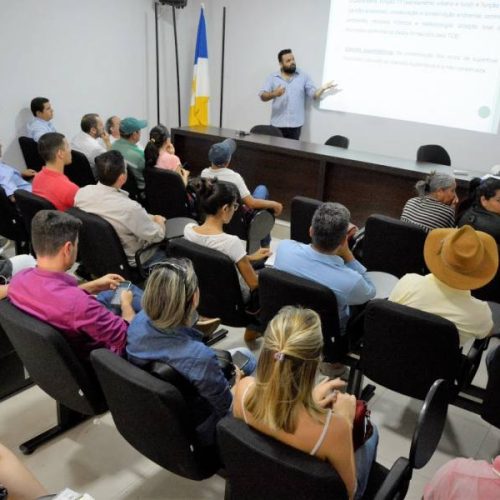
55,187
56,299
168,161
465,479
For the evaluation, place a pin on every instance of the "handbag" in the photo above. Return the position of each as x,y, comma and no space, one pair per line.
362,428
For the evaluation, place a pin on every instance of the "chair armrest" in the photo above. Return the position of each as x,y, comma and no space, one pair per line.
471,361
399,474
138,262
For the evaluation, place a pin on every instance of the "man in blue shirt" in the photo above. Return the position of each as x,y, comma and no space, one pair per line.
288,89
11,179
329,261
41,124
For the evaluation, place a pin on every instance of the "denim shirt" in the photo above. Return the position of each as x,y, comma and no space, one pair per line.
182,348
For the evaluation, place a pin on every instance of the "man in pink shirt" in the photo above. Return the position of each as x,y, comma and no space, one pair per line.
48,293
50,182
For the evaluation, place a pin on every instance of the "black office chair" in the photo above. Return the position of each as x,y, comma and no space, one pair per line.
29,148
152,415
490,410
29,204
100,249
79,170
258,466
166,193
339,141
405,350
489,292
278,289
55,368
433,153
131,186
220,293
12,225
302,211
393,246
266,130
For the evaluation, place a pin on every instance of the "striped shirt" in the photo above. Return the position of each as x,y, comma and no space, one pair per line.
428,213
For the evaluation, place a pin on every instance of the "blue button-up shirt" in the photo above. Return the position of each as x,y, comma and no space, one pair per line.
288,109
182,348
37,127
348,281
11,179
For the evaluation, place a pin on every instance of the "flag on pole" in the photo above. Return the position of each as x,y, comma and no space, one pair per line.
200,91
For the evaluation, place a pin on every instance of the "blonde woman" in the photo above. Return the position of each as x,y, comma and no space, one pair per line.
164,331
283,402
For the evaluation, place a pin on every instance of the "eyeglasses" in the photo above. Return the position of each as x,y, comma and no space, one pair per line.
236,206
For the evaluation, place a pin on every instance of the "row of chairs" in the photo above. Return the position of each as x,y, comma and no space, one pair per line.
429,153
150,412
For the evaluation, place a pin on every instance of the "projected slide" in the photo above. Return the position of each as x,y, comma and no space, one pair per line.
429,61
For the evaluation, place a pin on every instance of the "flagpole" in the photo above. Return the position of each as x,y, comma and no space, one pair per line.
177,69
222,65
157,66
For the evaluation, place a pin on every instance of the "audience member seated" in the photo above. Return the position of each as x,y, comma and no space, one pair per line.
48,293
283,402
51,183
164,331
218,202
460,260
484,214
130,135
42,116
329,261
465,479
434,207
160,152
134,226
11,179
16,481
10,267
86,141
219,156
113,128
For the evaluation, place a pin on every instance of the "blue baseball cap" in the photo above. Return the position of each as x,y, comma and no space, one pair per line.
130,125
221,152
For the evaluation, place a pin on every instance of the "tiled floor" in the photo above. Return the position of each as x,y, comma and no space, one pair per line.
96,459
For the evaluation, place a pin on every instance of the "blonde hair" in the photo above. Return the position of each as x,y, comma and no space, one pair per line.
169,293
287,369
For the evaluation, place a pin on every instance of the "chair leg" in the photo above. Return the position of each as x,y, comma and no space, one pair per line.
66,419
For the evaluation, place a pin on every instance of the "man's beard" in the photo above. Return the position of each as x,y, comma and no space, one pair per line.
290,70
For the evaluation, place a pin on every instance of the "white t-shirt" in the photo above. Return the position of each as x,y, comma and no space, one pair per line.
90,147
228,244
227,175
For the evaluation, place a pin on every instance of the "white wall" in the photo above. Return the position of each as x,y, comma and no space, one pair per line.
98,55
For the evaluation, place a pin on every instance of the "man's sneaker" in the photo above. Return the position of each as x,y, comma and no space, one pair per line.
207,325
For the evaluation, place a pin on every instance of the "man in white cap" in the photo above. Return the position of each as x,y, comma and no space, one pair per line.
130,135
460,260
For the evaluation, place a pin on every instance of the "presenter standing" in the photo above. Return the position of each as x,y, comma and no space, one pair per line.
287,89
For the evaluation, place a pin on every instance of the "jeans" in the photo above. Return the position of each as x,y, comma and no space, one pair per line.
249,368
105,299
262,193
364,457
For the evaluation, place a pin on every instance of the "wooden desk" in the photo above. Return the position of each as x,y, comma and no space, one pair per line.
365,183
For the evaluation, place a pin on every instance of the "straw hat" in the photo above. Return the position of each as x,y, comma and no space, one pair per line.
461,258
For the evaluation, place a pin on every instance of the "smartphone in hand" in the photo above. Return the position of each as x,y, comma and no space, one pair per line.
123,286
240,360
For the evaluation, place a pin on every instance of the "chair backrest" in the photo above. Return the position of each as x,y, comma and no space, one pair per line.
51,362
258,466
433,153
99,248
166,193
29,204
79,170
338,140
11,223
393,246
266,130
278,289
152,415
220,293
491,291
406,350
29,148
131,184
302,212
260,226
490,410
